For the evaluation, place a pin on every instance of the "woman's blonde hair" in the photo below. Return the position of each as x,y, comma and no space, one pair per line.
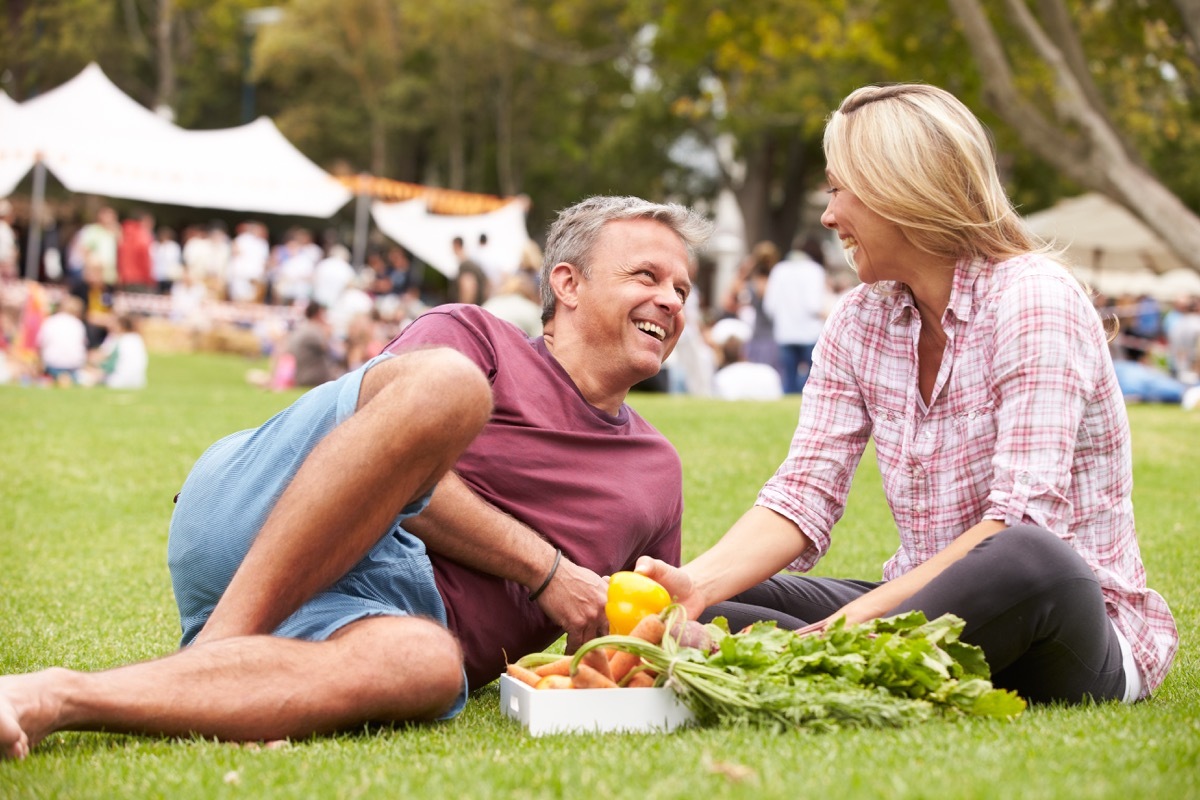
915,155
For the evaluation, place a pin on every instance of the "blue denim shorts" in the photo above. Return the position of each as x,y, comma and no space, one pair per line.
226,499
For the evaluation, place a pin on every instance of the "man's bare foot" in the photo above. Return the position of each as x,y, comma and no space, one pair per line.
14,743
25,716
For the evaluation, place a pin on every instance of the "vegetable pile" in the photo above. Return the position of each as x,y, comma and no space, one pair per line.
883,673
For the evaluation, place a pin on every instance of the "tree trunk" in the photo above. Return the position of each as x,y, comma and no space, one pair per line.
1189,10
752,192
456,140
505,174
772,192
379,133
165,95
1082,143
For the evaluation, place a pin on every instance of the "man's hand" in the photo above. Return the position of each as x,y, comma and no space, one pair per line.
676,581
575,600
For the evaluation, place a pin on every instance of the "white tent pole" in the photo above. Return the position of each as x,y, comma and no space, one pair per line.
361,219
37,202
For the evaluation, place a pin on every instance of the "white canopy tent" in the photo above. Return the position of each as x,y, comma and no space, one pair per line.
97,140
1112,249
429,236
16,154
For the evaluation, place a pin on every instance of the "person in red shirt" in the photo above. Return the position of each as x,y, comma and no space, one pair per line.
134,262
324,528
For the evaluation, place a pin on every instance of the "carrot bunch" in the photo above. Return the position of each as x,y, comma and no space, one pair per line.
605,662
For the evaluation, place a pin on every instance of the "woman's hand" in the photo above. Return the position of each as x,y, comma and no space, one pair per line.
676,581
862,609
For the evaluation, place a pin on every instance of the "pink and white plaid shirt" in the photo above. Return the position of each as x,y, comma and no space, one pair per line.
1027,425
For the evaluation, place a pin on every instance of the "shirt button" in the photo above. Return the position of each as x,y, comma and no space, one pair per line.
1024,478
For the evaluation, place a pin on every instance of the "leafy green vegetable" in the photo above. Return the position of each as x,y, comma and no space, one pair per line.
884,673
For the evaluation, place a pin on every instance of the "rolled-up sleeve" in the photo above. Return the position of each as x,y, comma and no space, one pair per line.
1044,368
811,485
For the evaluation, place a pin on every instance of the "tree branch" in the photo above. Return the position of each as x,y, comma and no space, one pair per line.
1044,137
1076,100
1189,10
1057,19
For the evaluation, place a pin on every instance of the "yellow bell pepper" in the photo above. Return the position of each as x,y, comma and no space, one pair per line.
632,596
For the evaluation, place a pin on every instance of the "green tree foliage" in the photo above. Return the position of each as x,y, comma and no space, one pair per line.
756,81
47,43
1104,93
558,99
504,97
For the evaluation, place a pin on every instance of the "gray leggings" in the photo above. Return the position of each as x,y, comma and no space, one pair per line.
1029,601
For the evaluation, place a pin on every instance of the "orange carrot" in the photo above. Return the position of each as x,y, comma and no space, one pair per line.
523,675
640,680
597,660
560,667
588,678
650,629
554,682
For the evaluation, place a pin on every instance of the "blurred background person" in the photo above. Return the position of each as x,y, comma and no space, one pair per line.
135,271
98,242
8,243
516,302
737,378
248,256
166,257
62,342
1181,326
96,299
744,300
331,276
493,267
795,299
121,361
310,346
297,259
471,285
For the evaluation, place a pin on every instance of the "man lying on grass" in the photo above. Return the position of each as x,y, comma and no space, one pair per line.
322,583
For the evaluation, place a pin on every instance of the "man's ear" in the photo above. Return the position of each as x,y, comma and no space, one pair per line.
564,282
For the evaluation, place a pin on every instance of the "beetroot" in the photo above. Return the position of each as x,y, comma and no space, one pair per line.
693,634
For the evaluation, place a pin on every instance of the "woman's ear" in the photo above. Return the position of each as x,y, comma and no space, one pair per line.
564,282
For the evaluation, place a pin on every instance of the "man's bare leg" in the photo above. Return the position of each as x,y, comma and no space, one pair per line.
416,413
380,669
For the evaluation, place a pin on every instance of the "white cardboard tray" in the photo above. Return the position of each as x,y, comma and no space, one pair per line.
544,711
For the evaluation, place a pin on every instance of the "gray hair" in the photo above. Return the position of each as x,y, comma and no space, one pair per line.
574,233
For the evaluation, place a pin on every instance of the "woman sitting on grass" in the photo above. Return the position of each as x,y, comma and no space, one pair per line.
977,364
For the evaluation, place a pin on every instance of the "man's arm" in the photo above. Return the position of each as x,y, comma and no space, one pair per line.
353,484
460,525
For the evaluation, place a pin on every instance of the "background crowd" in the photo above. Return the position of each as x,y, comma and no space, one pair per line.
109,289
297,299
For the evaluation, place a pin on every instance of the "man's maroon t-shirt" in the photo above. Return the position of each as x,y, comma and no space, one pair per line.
606,489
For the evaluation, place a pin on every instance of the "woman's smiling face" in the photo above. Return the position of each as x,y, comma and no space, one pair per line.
874,246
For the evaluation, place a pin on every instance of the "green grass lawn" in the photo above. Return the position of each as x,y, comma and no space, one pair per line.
88,477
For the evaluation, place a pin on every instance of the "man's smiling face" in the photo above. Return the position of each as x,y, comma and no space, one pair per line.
631,304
